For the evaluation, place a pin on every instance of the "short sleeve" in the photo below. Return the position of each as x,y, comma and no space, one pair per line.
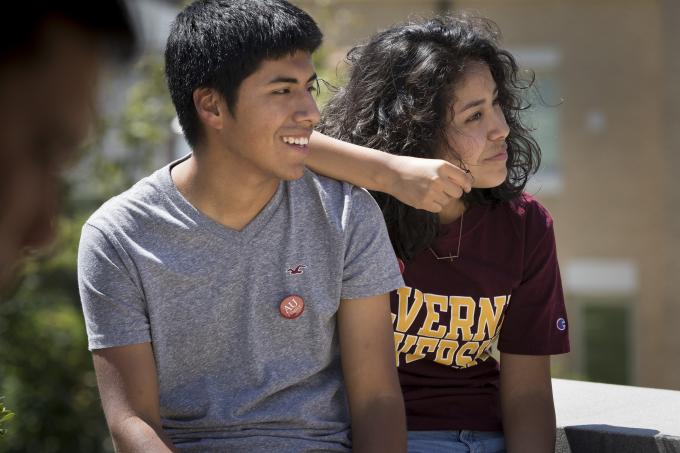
113,304
536,320
370,265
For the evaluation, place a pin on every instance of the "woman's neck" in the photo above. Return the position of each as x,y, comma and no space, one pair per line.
452,211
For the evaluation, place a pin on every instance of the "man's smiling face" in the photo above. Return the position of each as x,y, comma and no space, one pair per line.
273,118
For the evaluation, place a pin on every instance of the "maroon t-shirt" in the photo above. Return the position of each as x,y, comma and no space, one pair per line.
450,312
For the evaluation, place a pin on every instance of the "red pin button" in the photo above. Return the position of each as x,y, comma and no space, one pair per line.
292,306
402,266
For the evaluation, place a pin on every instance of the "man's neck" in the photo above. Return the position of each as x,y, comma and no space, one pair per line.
227,191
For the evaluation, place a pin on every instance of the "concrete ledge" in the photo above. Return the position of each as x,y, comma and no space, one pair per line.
603,418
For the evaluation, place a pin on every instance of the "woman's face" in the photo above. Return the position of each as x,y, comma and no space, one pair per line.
477,130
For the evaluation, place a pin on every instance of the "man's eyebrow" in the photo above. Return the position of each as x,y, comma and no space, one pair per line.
293,80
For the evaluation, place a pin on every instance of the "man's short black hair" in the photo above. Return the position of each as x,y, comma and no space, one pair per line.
218,43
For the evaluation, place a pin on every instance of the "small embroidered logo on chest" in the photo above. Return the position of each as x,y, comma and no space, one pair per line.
297,270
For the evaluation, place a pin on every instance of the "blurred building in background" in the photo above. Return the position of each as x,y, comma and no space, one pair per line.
611,145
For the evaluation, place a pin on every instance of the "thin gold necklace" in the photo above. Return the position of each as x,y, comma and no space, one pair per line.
452,257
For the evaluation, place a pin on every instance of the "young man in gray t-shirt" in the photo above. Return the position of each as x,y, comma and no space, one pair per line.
234,300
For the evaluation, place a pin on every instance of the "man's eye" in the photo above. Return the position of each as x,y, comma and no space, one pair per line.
281,91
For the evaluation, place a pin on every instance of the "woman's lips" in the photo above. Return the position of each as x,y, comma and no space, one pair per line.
503,155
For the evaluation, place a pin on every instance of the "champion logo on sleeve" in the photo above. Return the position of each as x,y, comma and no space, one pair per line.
561,324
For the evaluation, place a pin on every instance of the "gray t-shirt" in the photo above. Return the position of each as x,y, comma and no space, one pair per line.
234,374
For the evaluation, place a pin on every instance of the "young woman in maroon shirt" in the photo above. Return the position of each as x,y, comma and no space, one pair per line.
481,267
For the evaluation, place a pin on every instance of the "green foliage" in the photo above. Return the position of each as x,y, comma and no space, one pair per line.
47,371
5,416
145,123
328,78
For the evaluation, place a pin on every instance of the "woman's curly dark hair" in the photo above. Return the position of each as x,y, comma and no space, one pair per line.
397,99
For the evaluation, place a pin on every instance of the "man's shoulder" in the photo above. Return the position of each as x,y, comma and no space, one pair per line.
334,189
131,207
337,197
325,186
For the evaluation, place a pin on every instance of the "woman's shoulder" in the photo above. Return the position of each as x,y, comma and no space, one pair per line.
528,209
528,217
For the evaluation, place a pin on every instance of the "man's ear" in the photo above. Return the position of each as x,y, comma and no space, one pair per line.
210,107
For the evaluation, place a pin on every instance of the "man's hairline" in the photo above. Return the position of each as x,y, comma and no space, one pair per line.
255,69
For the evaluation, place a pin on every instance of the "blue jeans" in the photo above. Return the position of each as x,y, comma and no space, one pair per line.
456,442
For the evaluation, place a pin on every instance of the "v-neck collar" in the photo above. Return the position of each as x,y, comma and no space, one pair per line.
203,221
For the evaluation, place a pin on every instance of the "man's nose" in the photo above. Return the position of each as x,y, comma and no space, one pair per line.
307,111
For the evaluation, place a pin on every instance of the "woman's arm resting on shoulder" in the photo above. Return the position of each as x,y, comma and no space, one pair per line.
375,400
128,386
422,183
527,403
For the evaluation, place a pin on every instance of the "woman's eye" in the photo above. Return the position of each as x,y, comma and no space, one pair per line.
474,117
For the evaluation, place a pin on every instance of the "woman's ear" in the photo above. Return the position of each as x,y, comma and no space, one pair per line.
209,106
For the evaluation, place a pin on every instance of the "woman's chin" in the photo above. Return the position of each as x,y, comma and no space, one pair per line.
489,181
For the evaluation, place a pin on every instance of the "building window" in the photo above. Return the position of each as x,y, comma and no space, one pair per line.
600,298
544,117
605,342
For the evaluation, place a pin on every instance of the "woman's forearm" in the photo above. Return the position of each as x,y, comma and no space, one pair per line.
527,404
361,166
529,424
427,184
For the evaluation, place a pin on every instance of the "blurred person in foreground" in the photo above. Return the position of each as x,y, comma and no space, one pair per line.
49,66
484,268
